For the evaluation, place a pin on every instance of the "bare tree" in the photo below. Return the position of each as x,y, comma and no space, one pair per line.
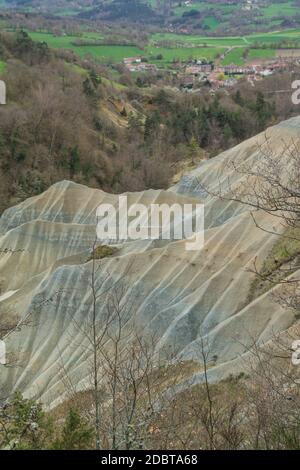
270,185
102,332
272,394
10,322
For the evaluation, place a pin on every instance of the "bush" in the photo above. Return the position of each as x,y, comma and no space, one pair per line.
76,434
102,251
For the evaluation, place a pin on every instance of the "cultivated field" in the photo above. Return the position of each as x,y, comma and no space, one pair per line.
171,47
220,15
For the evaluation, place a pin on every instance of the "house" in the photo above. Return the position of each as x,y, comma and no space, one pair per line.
234,70
132,60
266,73
187,83
230,82
141,67
198,69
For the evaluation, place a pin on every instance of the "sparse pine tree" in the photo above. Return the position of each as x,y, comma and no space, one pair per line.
76,434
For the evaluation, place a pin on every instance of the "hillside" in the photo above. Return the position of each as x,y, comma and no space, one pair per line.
211,17
176,295
149,227
214,16
72,117
85,123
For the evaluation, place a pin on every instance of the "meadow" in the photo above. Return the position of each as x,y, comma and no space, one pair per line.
191,40
205,5
287,8
264,38
184,53
176,47
103,52
234,47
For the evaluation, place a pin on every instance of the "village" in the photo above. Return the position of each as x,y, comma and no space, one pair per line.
220,76
194,73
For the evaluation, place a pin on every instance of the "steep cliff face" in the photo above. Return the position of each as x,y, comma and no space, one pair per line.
177,295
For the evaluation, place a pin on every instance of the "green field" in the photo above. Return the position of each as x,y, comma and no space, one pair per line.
185,53
277,9
175,46
190,44
102,52
118,53
261,54
197,40
278,36
268,13
234,57
205,5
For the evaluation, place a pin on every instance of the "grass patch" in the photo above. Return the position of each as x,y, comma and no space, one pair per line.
280,9
211,22
2,66
261,54
234,57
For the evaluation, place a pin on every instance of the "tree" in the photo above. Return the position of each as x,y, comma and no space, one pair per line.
77,434
131,383
10,323
74,161
193,149
134,123
162,98
88,88
125,378
95,330
24,425
151,124
95,78
271,187
238,98
221,76
263,111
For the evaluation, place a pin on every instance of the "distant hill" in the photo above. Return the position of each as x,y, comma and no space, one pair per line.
200,16
134,10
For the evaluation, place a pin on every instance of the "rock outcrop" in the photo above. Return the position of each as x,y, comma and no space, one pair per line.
177,295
